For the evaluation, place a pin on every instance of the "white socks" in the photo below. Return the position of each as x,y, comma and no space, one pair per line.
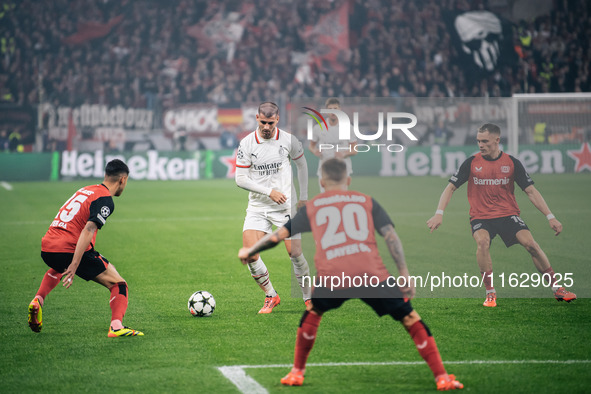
259,272
301,270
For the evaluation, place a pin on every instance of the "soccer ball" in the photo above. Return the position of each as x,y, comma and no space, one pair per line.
201,304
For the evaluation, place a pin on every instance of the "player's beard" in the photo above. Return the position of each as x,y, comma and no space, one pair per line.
267,134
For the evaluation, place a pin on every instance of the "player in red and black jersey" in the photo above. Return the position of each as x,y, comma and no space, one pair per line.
491,175
343,224
68,248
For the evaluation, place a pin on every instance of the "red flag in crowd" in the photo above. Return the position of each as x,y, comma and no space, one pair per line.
90,30
330,40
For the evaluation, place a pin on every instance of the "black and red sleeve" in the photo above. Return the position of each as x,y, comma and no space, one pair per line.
100,210
299,223
379,215
520,175
462,174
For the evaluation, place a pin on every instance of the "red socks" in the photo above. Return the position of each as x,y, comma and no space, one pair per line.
427,347
305,339
419,332
487,279
549,275
50,280
118,302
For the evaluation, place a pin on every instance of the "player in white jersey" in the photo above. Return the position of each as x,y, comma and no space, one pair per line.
263,167
326,144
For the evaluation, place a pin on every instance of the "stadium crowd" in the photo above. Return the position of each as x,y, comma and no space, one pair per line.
151,53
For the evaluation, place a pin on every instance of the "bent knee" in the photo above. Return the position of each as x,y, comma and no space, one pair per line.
410,319
483,244
532,247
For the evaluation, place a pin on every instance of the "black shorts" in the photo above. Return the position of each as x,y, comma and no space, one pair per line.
507,227
91,265
384,300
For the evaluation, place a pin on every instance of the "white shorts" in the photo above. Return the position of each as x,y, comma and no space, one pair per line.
264,221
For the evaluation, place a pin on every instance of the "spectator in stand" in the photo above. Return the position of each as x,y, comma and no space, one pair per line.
157,54
3,140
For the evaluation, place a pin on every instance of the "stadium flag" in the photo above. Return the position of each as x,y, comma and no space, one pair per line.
221,34
329,40
71,132
482,39
229,116
90,30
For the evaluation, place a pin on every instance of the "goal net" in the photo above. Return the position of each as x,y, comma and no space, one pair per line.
553,128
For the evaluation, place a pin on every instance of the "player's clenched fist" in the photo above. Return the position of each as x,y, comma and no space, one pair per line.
243,256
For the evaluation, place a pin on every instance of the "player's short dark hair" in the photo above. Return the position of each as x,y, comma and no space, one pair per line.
268,109
334,170
491,128
116,168
332,101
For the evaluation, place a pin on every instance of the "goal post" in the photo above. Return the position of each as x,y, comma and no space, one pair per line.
551,131
550,119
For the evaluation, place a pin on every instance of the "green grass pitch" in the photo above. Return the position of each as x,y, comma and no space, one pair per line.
169,239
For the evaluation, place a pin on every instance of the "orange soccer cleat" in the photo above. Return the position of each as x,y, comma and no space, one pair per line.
564,295
270,303
448,382
491,300
293,379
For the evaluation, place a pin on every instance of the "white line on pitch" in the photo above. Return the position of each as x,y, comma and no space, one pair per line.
6,185
247,385
242,381
137,220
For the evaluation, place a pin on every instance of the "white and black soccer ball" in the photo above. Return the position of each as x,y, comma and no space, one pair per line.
201,304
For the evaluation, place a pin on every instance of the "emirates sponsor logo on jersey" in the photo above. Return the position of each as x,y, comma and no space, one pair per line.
268,168
490,182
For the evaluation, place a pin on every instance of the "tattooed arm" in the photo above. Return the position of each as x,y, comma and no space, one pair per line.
397,253
267,242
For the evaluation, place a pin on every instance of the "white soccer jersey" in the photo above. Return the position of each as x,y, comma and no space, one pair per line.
269,165
331,137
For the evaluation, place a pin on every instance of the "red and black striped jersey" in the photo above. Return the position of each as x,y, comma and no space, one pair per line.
91,203
343,224
491,187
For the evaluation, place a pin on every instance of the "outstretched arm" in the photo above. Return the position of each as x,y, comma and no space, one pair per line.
267,242
445,198
536,198
397,253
